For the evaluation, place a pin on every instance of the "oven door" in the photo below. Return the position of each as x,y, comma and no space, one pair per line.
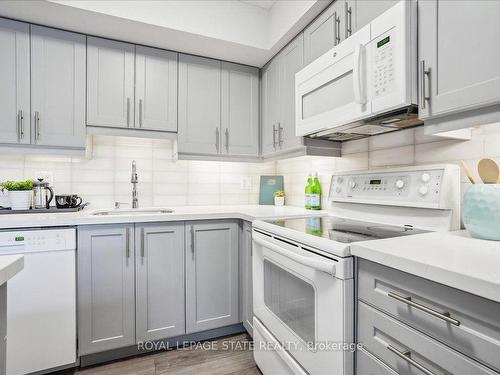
304,306
333,90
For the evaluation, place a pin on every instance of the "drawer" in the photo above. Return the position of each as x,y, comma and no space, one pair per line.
367,364
475,326
408,351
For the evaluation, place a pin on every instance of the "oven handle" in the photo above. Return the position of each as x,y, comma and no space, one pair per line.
359,92
318,264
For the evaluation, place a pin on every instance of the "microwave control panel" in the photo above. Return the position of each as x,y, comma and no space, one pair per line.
383,64
412,186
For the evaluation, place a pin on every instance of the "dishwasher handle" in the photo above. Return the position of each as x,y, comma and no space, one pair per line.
323,265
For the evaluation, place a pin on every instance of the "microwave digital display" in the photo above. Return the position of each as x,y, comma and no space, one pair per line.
386,40
375,182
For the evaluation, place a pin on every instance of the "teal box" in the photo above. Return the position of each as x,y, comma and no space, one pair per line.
269,185
482,211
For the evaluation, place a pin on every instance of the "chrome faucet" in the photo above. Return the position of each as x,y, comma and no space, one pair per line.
133,180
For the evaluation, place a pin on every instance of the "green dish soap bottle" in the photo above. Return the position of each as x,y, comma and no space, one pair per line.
308,191
316,193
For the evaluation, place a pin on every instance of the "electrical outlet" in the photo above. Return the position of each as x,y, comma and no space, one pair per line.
246,183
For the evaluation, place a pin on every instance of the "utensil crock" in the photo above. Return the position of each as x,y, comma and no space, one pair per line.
482,211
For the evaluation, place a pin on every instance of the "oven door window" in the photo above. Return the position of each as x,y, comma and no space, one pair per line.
291,299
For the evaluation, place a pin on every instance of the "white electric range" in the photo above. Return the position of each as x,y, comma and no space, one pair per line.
303,272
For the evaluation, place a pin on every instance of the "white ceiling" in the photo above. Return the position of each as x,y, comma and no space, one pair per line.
248,32
265,4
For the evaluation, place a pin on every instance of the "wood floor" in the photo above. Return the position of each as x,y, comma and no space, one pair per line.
227,356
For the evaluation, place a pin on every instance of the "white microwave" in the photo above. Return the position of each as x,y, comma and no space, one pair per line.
365,85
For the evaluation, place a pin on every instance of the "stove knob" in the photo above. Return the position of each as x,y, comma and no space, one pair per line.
338,190
339,180
426,177
400,184
352,184
423,190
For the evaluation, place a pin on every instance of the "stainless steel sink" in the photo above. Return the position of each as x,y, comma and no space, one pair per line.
133,211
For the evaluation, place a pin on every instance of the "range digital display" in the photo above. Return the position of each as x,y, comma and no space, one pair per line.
375,182
386,40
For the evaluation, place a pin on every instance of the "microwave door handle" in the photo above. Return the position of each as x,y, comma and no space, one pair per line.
358,76
318,264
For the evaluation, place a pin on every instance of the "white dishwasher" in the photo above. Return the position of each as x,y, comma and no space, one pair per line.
41,300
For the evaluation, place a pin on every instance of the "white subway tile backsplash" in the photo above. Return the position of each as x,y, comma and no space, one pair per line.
448,151
392,156
356,146
391,140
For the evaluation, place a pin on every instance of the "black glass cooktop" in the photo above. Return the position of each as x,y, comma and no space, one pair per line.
345,230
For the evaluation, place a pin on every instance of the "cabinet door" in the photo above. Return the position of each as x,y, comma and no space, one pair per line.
368,10
458,79
291,61
240,109
159,281
324,33
270,107
15,82
156,89
106,293
211,275
57,87
110,83
199,105
246,293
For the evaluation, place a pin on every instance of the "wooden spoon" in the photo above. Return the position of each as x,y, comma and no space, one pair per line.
468,173
489,171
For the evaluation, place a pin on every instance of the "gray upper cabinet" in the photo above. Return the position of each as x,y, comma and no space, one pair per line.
156,89
110,83
15,82
240,110
211,275
270,107
291,60
368,10
106,290
199,105
456,79
57,87
324,33
159,281
246,290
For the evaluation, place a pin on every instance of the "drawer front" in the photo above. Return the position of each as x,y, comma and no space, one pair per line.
474,327
367,364
408,351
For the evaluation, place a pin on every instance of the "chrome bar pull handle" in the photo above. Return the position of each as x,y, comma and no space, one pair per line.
407,300
20,125
127,244
37,125
128,111
192,241
348,20
142,242
217,138
274,135
140,113
337,28
406,356
227,140
424,73
280,134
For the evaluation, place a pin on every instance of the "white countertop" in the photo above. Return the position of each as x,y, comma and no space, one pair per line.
453,259
10,265
85,217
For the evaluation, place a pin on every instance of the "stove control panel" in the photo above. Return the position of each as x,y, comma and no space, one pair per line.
405,186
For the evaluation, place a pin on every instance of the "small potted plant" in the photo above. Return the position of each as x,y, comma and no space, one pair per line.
20,193
279,198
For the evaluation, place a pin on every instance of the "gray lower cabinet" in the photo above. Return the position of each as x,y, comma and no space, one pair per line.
110,83
211,275
240,110
155,89
455,80
246,289
106,288
199,105
159,262
58,69
15,82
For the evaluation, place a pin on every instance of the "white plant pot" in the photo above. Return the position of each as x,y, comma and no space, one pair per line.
279,201
20,200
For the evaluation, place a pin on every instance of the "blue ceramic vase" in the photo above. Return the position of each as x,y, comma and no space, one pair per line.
482,211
